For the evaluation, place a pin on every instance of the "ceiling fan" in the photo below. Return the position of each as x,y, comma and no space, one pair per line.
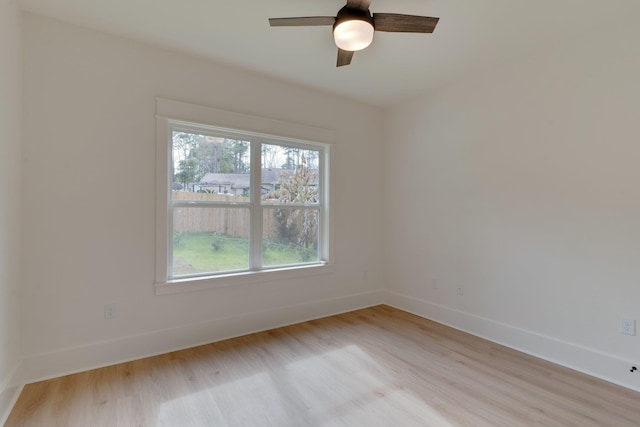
354,25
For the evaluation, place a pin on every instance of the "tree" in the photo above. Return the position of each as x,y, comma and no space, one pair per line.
188,159
234,157
195,155
297,226
187,170
208,155
183,143
240,150
269,156
290,160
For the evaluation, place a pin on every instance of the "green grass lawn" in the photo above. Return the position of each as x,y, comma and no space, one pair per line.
209,252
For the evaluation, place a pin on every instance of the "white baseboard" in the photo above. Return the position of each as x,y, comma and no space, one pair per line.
99,354
589,361
10,389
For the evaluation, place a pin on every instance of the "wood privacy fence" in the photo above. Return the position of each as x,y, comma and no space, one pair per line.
221,220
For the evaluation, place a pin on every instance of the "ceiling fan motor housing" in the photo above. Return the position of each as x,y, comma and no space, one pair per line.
347,14
353,29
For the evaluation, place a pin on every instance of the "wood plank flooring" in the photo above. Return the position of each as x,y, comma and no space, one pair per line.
374,367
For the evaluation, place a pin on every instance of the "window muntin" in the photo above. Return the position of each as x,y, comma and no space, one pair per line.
231,211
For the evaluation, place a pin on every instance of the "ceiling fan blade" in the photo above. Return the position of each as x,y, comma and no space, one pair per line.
302,21
399,23
344,57
358,4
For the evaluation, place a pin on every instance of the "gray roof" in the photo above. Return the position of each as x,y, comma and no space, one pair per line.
242,180
236,180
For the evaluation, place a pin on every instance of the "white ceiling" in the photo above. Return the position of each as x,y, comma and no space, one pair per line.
471,35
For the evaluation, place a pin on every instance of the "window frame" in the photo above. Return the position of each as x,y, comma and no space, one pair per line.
175,115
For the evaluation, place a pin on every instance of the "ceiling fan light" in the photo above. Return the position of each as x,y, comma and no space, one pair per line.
353,34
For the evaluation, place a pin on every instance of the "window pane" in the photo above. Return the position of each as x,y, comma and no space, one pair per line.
208,240
290,236
289,175
204,164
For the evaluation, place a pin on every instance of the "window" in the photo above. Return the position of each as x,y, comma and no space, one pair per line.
234,203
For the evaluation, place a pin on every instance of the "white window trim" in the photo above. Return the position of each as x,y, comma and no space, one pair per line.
168,112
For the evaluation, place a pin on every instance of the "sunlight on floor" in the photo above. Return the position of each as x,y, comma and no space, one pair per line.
344,387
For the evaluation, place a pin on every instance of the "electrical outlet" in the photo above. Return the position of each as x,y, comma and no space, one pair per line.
460,290
109,311
628,326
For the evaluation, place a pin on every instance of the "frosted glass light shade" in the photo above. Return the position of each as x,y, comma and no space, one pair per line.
353,35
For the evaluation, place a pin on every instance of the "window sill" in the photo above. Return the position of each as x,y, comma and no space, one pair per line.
245,278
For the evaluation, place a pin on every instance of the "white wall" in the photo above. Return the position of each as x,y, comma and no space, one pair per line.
89,200
10,203
523,186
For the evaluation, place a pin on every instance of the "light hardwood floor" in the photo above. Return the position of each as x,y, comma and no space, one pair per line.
374,367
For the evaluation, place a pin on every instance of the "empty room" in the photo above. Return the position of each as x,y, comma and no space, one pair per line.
319,213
